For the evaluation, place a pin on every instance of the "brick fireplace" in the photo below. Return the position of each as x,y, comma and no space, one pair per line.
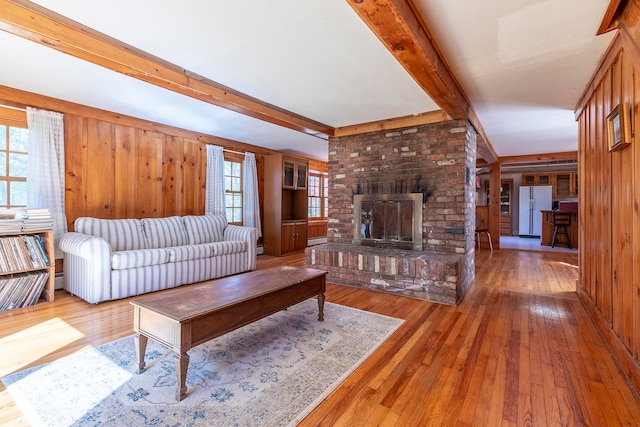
433,161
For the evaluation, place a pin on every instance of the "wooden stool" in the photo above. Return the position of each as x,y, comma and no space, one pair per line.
482,230
561,220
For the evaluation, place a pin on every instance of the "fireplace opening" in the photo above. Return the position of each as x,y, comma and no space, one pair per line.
388,220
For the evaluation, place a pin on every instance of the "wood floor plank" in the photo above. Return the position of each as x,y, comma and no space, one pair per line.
519,350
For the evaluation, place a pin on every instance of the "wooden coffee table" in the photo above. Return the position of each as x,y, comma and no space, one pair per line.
185,317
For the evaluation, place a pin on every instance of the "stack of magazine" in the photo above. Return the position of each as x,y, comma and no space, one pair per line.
17,220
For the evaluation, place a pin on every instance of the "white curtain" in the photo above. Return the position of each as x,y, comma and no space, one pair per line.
214,201
45,167
251,212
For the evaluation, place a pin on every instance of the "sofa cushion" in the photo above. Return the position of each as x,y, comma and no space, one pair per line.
184,253
120,234
205,228
139,258
229,247
164,232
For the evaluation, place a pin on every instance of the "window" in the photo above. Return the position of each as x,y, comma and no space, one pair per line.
233,191
318,195
14,145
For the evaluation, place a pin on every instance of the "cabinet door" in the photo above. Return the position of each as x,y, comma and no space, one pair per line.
288,174
543,179
301,235
301,176
528,180
288,237
562,185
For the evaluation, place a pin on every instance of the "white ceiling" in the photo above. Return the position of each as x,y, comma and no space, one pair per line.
522,63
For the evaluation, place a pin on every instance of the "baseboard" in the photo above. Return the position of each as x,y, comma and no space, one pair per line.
59,281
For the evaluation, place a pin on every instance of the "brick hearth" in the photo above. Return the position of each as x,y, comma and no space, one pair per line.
439,158
427,275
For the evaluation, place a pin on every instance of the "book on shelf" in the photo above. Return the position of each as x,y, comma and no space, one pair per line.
19,253
21,289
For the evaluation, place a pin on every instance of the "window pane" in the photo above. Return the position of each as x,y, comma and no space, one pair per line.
18,193
236,168
227,168
3,193
18,165
3,164
3,137
237,200
227,183
229,214
237,217
18,139
228,200
235,182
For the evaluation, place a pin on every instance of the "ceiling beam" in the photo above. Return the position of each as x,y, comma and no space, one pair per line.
406,36
388,124
33,22
542,158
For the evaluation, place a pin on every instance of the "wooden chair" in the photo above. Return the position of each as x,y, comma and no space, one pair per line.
480,230
561,220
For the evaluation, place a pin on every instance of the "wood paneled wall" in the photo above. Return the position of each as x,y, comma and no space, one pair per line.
123,167
609,283
116,171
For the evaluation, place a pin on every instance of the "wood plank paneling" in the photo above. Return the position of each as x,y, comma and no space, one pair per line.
609,283
100,170
126,148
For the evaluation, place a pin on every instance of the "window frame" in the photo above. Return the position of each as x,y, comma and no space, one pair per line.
12,118
234,160
323,197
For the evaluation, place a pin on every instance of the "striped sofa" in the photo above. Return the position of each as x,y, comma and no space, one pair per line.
107,259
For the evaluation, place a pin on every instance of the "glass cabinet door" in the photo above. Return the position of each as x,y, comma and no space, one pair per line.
288,169
301,181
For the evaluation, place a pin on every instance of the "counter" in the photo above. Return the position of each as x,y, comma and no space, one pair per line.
548,228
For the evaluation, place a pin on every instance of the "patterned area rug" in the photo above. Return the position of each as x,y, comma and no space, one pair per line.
270,373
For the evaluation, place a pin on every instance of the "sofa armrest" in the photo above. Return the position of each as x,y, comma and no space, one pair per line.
247,234
87,266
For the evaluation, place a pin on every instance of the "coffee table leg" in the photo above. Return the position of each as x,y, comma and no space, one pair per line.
182,364
141,346
321,306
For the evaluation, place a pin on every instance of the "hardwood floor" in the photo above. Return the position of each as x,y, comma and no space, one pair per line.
519,350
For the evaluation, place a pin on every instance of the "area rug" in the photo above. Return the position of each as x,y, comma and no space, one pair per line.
270,373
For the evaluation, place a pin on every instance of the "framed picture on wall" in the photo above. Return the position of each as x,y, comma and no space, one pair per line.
619,127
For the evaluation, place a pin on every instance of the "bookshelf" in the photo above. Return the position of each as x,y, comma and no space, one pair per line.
27,268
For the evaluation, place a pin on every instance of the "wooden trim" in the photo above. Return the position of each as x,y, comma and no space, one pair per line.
407,37
544,157
609,23
396,123
35,23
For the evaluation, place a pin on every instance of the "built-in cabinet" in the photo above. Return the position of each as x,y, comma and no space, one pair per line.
286,204
294,236
506,195
564,184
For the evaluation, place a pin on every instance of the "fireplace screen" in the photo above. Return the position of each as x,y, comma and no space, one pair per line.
389,220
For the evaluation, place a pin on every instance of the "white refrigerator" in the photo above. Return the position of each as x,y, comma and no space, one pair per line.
533,199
